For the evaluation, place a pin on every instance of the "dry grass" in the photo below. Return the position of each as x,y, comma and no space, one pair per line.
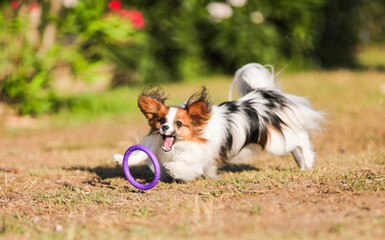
60,183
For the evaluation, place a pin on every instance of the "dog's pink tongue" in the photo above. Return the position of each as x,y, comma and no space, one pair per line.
167,143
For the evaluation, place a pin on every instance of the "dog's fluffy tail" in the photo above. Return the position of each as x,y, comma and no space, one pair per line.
256,76
253,76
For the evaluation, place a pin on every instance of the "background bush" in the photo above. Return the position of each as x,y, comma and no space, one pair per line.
40,38
178,40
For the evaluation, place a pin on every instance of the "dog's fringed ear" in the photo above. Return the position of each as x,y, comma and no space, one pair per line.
155,92
151,102
199,106
150,107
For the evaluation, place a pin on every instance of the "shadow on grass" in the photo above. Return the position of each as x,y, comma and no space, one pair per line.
104,172
238,168
143,173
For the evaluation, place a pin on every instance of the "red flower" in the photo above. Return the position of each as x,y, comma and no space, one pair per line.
134,16
33,6
14,4
137,19
114,5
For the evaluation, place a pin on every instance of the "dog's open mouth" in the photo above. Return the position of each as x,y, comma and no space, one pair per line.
168,142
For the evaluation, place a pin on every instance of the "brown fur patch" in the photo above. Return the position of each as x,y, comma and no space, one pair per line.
198,113
264,135
191,130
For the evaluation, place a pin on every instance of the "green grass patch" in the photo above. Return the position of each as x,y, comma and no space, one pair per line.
372,56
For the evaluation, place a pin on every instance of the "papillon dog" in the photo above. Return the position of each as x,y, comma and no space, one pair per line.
191,140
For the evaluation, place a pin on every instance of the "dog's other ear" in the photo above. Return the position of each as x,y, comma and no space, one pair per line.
198,107
198,112
150,107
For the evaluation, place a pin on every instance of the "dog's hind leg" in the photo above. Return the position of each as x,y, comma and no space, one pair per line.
307,150
298,157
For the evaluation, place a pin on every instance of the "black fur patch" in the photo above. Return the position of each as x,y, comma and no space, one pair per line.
255,132
231,106
275,100
228,144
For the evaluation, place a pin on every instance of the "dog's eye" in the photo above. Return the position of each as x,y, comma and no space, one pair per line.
179,123
162,120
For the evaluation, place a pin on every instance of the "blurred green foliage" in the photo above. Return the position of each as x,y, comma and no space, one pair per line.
372,21
186,42
84,38
338,34
180,39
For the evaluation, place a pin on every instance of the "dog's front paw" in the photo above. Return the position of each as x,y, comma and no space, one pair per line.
211,172
182,171
135,158
118,158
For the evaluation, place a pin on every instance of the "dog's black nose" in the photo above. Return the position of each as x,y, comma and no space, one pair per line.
165,127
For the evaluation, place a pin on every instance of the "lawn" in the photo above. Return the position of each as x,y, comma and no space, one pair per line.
58,181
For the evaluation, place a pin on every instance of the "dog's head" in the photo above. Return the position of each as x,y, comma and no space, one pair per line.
175,123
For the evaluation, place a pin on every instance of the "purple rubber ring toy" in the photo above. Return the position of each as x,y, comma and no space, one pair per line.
154,161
